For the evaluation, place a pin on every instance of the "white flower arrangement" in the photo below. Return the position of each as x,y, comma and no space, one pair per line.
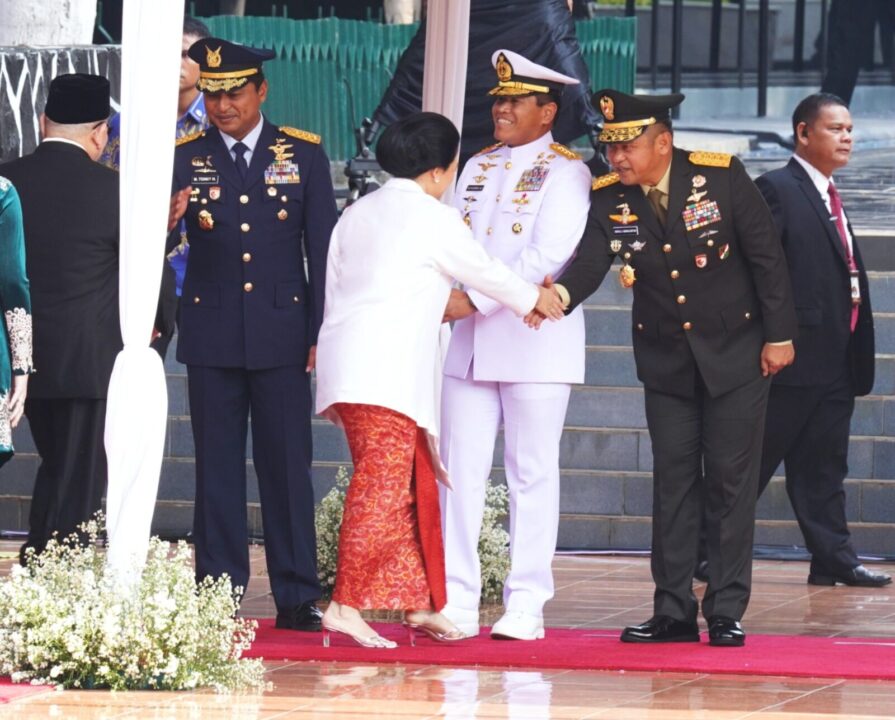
493,542
64,621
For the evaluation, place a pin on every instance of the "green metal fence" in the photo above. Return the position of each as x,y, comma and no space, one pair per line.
330,73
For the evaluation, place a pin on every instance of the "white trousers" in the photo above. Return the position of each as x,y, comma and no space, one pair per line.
532,415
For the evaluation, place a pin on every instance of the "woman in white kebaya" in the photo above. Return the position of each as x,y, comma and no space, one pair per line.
393,258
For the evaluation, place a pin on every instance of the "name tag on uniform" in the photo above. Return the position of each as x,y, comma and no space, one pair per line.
205,179
475,188
625,230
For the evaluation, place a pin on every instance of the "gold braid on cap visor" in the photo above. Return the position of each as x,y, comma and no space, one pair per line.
624,131
510,87
213,82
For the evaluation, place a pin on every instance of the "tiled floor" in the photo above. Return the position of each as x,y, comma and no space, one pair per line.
597,592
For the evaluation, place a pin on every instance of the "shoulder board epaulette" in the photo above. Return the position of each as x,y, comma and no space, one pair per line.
189,138
710,159
301,134
490,148
561,149
604,181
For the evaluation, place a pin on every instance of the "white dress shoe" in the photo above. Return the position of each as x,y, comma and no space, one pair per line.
518,626
467,621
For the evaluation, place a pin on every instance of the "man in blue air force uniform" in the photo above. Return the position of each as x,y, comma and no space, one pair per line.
258,201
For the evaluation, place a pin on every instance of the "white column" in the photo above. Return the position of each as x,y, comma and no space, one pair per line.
49,22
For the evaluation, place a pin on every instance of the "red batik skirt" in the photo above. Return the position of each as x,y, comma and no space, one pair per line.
391,554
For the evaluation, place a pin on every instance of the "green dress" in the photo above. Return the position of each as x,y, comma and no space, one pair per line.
15,303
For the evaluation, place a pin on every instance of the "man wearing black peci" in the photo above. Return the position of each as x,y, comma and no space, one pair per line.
713,319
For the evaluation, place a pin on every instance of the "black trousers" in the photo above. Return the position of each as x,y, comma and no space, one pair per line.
851,33
72,475
808,429
279,400
706,453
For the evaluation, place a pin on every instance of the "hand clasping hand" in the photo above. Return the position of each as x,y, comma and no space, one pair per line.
776,357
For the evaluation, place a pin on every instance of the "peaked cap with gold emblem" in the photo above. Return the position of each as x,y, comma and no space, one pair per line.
627,116
226,66
518,76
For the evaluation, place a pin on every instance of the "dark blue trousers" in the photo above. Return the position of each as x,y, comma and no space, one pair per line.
279,400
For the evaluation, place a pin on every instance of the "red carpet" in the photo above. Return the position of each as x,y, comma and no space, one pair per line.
10,691
787,655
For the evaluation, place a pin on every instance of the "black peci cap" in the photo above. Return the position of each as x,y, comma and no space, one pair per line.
627,116
78,98
225,66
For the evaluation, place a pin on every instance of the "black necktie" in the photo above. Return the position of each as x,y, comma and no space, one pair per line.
242,166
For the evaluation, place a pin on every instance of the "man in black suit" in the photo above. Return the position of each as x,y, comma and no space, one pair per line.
70,209
712,319
811,403
258,202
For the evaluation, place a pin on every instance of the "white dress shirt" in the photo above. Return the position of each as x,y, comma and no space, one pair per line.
822,183
392,259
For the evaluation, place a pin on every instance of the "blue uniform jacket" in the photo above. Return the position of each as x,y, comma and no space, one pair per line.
247,299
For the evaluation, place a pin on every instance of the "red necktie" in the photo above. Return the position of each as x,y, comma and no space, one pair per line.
836,209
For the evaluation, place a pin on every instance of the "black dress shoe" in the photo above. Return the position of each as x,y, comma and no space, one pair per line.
661,629
305,617
726,632
856,577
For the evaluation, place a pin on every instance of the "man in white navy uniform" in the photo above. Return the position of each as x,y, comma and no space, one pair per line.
526,200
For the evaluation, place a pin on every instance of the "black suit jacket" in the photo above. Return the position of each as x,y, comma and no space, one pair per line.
706,297
820,281
70,209
247,300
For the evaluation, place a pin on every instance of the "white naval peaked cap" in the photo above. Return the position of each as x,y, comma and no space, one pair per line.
517,75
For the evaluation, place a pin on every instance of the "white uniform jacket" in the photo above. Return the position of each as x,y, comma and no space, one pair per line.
392,259
527,206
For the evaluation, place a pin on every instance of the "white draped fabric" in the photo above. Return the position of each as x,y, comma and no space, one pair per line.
138,399
444,74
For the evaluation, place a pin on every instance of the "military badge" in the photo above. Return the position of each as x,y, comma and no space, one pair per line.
194,195
479,178
282,214
698,181
701,260
206,221
724,251
279,150
214,192
637,245
626,215
204,172
523,199
707,233
615,245
486,166
517,228
626,276
695,197
701,214
532,179
470,199
213,57
467,219
607,108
